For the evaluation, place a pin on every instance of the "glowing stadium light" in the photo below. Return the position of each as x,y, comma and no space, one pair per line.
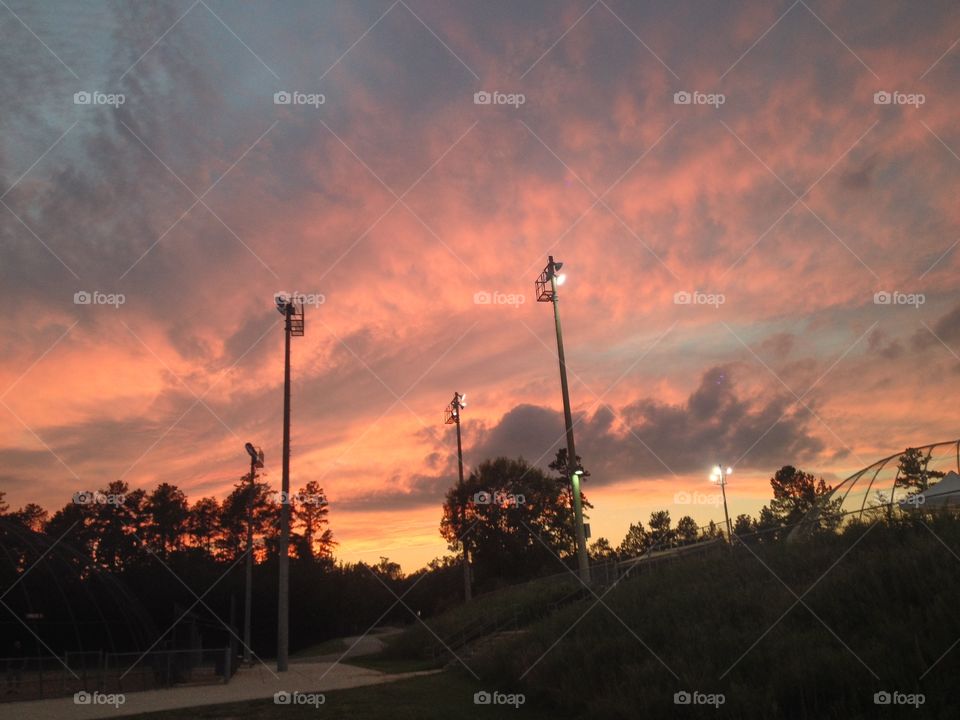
546,286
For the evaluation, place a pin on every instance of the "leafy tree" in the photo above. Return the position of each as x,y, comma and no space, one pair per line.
233,517
310,515
635,542
3,504
165,514
660,533
388,569
203,523
514,519
743,525
600,549
32,516
116,520
794,493
687,529
912,470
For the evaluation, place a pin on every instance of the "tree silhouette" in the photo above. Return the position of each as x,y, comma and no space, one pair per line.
635,542
660,533
514,519
687,530
165,513
314,541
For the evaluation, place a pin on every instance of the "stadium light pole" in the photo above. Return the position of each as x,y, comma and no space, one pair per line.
453,418
719,476
546,286
256,461
293,326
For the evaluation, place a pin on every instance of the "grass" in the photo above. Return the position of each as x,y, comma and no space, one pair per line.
430,697
876,618
534,597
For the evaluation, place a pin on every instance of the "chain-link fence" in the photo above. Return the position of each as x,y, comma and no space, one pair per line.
34,678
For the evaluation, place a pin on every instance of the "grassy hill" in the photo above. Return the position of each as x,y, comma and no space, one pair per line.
878,610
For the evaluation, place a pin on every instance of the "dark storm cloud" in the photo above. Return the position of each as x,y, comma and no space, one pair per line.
648,438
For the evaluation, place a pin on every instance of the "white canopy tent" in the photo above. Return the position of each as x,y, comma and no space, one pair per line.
945,494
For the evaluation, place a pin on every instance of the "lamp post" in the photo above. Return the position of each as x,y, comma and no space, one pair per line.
719,476
293,326
453,418
546,286
256,461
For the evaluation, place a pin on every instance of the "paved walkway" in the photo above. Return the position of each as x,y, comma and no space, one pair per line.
247,684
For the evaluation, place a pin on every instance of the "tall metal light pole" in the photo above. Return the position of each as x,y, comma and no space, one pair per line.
719,476
547,285
453,418
256,461
293,326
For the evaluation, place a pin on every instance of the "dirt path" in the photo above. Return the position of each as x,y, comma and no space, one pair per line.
247,684
357,646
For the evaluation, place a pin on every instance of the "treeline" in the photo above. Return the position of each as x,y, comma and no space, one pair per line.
120,570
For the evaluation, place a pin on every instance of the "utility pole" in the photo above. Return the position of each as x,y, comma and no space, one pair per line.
453,416
293,325
256,460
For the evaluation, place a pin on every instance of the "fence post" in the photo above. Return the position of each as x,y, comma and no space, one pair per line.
226,664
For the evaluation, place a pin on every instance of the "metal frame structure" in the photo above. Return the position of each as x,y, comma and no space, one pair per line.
880,477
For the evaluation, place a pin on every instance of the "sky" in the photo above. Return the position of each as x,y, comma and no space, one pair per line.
756,205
